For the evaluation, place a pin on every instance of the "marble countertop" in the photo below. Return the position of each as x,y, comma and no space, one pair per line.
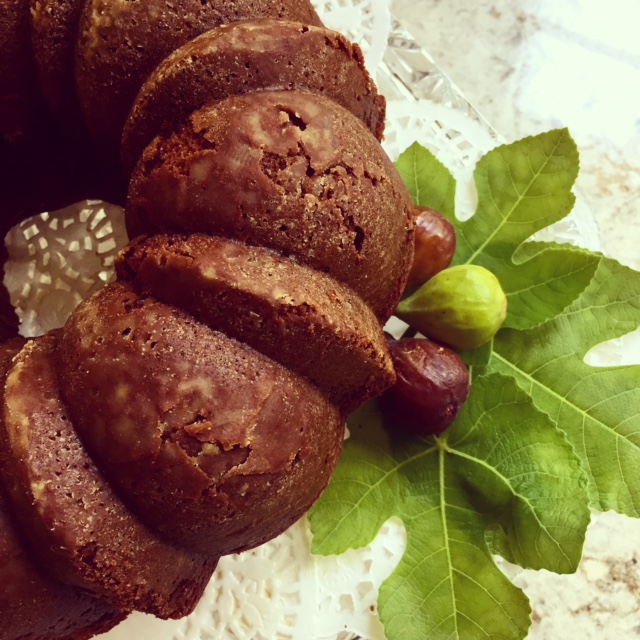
529,67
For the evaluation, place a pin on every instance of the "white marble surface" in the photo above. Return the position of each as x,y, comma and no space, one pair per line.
529,66
536,64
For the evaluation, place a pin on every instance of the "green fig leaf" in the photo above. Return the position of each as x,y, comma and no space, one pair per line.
597,407
549,277
543,437
502,480
429,182
518,195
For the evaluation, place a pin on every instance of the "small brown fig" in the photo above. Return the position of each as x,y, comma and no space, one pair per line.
432,384
435,245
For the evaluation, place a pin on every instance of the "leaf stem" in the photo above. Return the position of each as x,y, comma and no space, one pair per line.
442,445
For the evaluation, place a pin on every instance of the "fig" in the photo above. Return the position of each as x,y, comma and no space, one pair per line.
432,384
435,244
462,306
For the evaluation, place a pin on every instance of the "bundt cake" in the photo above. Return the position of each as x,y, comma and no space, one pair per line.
195,407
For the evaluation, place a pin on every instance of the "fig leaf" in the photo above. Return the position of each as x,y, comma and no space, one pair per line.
503,479
543,437
429,182
522,188
597,407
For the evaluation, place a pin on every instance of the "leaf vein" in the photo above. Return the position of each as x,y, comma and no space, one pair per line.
518,495
519,200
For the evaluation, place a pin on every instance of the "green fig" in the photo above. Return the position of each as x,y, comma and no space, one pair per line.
462,306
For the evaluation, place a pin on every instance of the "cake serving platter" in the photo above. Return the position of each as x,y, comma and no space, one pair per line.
279,591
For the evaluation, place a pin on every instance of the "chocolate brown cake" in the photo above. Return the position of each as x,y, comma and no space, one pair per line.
287,170
210,441
34,605
293,314
54,26
197,406
75,523
120,42
250,56
19,91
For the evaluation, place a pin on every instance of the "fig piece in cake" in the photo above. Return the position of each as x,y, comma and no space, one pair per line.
239,58
77,526
212,444
290,171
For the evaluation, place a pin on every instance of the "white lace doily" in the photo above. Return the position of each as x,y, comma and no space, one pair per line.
278,591
367,22
58,259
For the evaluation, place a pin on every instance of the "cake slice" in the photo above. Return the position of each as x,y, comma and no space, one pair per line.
77,526
120,42
212,444
35,606
290,171
243,57
295,315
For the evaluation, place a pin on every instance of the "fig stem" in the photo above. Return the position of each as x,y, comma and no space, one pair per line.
409,332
